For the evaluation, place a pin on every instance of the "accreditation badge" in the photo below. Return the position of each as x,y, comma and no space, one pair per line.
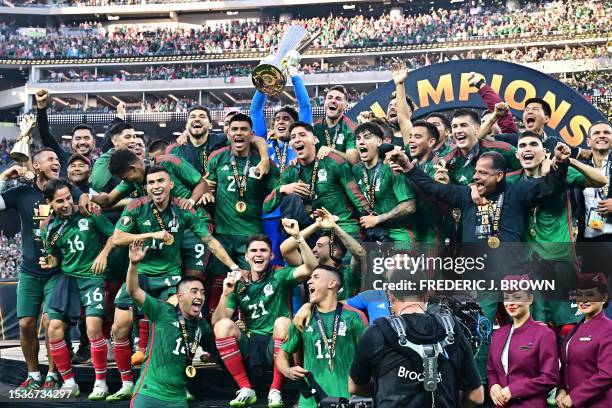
595,220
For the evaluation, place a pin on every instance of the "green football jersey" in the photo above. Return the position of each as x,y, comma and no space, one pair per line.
389,190
316,354
161,259
163,372
228,220
184,176
549,231
351,283
100,175
443,151
335,189
198,156
80,241
461,170
265,300
341,136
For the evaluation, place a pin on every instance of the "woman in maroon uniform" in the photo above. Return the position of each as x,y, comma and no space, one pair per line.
523,363
586,354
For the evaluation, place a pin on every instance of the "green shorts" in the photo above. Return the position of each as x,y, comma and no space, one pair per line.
144,401
33,292
90,291
193,252
160,287
235,245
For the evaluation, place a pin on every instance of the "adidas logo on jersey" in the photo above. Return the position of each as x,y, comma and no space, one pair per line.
381,306
175,324
100,306
147,223
225,168
309,329
246,298
200,263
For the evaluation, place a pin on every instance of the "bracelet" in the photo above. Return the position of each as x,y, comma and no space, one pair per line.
191,201
480,83
235,268
299,239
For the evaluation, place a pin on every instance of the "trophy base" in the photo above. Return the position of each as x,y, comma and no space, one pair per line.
19,157
269,79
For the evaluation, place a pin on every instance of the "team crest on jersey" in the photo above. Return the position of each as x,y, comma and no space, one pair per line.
342,329
322,175
83,225
268,290
125,221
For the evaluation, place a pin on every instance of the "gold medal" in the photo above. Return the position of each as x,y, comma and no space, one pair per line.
190,371
169,240
533,232
493,242
241,206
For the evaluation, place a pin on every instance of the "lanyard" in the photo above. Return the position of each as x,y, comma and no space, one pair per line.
241,180
158,217
332,142
495,214
282,158
190,348
57,234
371,187
330,348
603,192
313,178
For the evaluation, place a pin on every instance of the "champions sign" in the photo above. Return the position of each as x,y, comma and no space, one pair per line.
442,87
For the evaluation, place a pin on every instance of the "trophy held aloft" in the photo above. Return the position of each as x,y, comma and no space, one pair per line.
21,151
270,77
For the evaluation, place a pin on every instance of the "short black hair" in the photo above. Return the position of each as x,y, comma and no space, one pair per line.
202,108
120,162
409,101
259,237
289,111
337,273
158,144
39,151
241,117
545,106
119,127
335,245
443,118
304,125
186,279
157,169
373,128
339,88
83,126
467,112
399,277
497,160
383,123
431,129
599,122
529,133
53,185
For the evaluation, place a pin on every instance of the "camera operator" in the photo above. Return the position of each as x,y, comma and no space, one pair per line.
415,358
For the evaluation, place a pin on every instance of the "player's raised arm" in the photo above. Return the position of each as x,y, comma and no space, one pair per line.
222,311
219,251
137,253
304,271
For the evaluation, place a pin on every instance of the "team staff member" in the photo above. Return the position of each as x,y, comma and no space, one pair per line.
523,363
82,244
177,332
335,130
586,354
158,218
393,374
35,284
390,196
317,180
328,340
239,195
263,296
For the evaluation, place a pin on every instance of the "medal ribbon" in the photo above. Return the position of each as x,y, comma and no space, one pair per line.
160,221
495,215
282,158
603,192
190,348
241,180
56,236
330,348
371,187
313,179
332,142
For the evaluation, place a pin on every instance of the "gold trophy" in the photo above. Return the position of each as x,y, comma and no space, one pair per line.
21,151
270,76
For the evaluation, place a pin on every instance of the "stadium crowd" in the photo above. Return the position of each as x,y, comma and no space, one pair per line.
94,39
10,255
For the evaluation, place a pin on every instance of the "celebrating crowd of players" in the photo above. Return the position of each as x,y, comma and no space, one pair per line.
223,229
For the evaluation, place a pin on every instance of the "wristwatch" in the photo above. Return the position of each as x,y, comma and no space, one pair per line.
480,83
299,239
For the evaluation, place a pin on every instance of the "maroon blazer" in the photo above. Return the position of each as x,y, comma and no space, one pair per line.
587,364
533,364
